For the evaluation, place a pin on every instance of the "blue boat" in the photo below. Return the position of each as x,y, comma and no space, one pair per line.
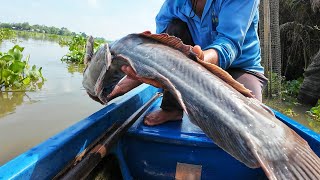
174,150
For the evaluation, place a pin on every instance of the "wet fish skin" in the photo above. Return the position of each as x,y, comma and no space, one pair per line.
240,125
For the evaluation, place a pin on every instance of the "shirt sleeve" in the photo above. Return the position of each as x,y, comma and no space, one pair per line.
165,16
234,20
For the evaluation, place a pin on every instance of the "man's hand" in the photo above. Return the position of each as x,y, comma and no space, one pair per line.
209,56
129,71
125,85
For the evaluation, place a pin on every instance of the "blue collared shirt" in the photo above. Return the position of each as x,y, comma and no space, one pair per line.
228,26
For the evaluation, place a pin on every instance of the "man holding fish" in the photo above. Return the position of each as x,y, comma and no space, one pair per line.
223,32
221,106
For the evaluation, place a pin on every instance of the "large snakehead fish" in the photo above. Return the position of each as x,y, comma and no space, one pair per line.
225,110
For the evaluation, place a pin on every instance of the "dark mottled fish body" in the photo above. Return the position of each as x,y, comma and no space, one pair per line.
240,125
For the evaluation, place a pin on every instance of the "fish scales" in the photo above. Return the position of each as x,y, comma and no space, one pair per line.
240,125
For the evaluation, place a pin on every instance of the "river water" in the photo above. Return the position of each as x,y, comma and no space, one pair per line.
28,118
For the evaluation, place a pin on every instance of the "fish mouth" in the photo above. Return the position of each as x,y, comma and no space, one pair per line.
111,81
114,82
95,98
125,85
111,90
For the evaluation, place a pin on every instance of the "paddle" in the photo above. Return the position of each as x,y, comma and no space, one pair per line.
84,163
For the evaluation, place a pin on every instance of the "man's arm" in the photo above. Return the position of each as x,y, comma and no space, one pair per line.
235,18
166,15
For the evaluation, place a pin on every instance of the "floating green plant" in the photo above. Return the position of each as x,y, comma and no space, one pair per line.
314,112
77,48
16,73
7,34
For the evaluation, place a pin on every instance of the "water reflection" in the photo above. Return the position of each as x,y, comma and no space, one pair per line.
75,68
314,123
10,100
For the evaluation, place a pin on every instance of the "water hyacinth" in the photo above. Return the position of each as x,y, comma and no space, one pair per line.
16,73
7,34
77,49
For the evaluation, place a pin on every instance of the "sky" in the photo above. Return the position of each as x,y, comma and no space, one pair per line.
110,19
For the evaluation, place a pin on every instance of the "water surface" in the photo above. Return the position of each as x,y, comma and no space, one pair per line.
296,112
28,118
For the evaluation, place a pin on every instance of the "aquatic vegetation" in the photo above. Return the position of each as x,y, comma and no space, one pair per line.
7,34
313,116
314,112
25,35
77,48
315,126
16,73
290,112
291,88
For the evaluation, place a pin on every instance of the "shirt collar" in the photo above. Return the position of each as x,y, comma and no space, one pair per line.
187,8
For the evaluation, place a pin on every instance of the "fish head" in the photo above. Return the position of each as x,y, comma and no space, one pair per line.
102,73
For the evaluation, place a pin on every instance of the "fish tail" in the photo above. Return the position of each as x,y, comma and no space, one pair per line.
293,159
305,164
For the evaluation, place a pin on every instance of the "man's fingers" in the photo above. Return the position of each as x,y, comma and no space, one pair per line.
197,49
129,72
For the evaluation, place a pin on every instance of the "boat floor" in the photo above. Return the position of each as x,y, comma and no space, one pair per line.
178,130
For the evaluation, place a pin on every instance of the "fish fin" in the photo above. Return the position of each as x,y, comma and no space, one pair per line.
267,109
177,43
151,82
171,88
291,159
140,78
161,82
89,50
226,138
225,76
173,42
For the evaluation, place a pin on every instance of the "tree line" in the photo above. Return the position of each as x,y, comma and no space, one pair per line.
39,28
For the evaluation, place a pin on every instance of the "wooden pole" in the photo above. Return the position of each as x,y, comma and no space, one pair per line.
90,160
